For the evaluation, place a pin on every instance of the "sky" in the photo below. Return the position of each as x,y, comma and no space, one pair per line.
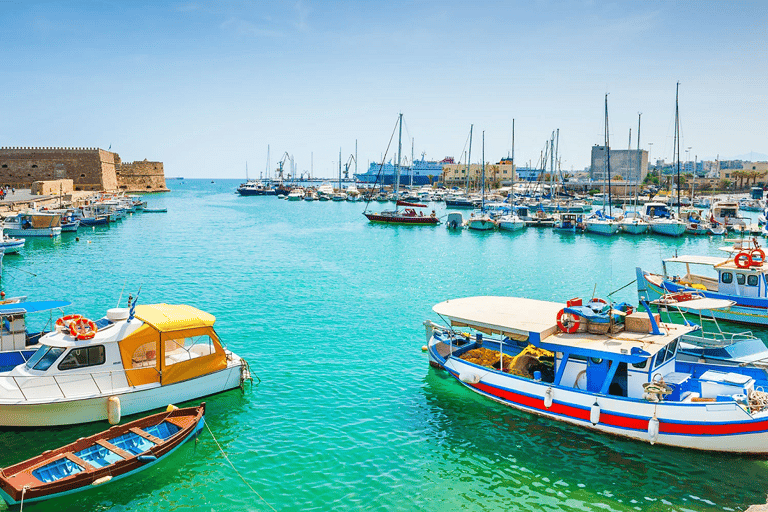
206,87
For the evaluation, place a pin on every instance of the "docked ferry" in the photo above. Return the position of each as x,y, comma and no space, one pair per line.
423,172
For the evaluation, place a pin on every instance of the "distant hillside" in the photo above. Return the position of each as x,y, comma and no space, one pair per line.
751,157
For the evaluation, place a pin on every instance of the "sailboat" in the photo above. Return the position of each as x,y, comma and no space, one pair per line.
481,221
600,223
632,222
407,215
511,221
661,218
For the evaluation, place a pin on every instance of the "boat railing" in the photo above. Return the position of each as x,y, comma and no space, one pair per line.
74,385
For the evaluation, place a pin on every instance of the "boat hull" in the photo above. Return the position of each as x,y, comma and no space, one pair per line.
602,228
506,225
33,232
402,219
481,224
668,228
637,228
133,400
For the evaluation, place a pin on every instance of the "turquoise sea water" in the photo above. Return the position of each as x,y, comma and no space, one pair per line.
328,310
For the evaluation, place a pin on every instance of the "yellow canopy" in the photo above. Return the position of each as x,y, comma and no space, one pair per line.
173,317
146,353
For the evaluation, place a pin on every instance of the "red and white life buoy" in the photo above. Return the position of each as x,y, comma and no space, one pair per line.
567,322
760,260
83,329
743,260
598,299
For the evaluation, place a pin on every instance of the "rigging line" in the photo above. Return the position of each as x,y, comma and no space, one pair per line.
235,469
614,291
383,159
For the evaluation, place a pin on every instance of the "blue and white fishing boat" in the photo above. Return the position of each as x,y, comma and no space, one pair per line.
599,368
9,245
740,277
569,222
33,223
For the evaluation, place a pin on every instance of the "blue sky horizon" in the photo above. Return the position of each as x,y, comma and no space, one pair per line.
206,86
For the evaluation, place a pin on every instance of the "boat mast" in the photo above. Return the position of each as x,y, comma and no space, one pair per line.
513,159
469,155
482,208
339,169
608,157
399,155
268,164
677,145
413,142
639,160
246,170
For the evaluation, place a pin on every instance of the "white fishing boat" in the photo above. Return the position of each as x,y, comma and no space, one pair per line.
510,222
297,194
601,224
128,362
633,224
727,213
662,220
481,220
599,368
10,245
33,223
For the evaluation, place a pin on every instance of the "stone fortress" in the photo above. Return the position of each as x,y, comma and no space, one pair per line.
89,169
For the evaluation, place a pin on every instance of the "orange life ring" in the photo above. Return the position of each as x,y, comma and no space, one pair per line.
759,252
598,299
566,325
83,329
66,319
747,260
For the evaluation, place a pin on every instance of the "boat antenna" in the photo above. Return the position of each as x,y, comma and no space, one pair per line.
121,293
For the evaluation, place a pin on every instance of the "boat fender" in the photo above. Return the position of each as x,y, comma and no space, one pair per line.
113,410
469,377
171,408
594,414
653,429
549,397
146,458
102,480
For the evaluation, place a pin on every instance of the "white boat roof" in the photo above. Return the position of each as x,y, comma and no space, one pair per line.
501,314
522,317
700,304
697,260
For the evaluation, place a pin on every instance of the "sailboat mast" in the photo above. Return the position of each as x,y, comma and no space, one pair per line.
399,156
608,157
469,155
339,169
246,170
639,159
677,144
413,142
483,207
513,158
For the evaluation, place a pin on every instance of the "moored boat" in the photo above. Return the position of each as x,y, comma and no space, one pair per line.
95,460
741,277
33,224
143,357
598,368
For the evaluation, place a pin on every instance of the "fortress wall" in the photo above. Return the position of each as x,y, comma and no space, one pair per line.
88,168
141,176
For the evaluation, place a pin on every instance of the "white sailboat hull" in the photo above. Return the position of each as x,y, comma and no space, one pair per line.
634,227
602,227
668,228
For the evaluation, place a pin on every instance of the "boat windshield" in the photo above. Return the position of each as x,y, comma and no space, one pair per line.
44,358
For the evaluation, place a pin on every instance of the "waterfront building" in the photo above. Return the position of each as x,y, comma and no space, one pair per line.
624,162
498,174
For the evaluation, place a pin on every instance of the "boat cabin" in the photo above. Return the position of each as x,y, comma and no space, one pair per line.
726,277
657,211
727,212
622,357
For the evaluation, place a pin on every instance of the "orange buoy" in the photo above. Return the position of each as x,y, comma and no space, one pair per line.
567,322
743,260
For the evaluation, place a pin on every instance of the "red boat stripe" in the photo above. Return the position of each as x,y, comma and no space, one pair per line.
623,421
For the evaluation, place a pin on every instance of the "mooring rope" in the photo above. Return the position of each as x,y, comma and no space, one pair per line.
614,291
235,469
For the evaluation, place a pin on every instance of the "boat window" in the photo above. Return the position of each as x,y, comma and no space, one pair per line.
752,280
596,360
741,278
145,355
46,359
641,364
574,357
726,277
184,349
661,356
82,357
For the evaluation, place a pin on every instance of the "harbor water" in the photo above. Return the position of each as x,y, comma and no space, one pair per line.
348,415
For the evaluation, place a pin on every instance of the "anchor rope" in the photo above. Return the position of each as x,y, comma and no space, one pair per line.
235,469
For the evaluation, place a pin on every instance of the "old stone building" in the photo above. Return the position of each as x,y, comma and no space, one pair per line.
88,168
